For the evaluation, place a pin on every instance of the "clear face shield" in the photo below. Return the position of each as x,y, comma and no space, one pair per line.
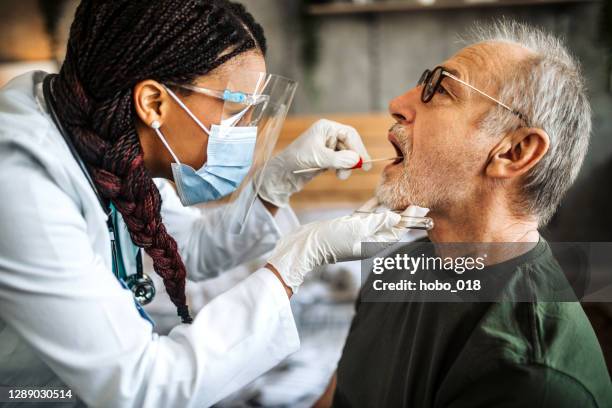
255,105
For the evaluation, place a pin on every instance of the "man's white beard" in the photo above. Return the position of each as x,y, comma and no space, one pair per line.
415,186
428,184
394,195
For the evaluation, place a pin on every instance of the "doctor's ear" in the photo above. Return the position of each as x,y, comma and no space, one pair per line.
517,153
150,101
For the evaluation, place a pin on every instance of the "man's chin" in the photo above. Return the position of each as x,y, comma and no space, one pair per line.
392,196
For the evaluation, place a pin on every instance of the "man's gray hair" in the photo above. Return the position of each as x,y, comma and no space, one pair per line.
548,89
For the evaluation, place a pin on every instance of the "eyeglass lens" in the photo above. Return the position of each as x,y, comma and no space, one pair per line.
431,85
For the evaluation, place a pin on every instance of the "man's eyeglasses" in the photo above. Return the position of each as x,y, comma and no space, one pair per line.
431,81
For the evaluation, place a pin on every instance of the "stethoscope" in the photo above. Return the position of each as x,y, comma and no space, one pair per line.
139,283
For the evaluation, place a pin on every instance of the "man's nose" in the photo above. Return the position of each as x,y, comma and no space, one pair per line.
402,107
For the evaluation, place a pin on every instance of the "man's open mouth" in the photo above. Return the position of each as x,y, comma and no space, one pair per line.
398,150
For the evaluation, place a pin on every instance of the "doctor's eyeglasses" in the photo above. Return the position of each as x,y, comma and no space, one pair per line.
431,80
241,108
227,95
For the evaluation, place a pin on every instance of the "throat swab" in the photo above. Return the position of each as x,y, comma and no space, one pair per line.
408,220
357,166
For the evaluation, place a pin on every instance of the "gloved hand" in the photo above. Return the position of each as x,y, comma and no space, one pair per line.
326,144
330,241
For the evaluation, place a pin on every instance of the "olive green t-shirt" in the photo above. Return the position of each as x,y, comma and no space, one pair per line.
510,354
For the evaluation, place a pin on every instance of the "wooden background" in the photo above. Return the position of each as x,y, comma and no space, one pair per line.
22,32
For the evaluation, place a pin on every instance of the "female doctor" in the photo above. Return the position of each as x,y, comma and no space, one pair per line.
79,152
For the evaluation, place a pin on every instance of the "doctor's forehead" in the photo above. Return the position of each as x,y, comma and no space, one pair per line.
252,61
486,65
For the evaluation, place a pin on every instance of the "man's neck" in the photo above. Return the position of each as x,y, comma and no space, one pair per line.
485,222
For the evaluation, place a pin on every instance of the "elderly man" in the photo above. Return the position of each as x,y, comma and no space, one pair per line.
491,140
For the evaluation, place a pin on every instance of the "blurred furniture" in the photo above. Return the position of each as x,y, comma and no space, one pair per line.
327,191
23,35
33,35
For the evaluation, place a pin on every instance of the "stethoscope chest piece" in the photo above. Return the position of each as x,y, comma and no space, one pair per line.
142,287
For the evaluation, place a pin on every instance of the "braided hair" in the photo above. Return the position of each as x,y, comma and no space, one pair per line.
114,45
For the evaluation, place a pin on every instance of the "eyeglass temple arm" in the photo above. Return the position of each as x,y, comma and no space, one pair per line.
187,110
205,91
448,74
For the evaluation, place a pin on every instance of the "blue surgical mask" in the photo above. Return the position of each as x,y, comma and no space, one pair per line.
229,159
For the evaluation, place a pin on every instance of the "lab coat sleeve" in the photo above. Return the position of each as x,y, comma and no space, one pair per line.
205,241
65,303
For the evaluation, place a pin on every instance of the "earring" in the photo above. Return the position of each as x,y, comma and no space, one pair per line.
155,124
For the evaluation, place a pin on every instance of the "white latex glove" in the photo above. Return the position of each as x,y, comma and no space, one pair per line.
330,241
326,144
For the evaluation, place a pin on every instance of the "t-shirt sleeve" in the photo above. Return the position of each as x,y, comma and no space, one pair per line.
523,386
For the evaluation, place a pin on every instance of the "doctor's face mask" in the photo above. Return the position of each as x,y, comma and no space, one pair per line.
229,151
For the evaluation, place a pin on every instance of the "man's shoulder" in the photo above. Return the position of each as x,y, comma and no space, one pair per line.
550,345
504,383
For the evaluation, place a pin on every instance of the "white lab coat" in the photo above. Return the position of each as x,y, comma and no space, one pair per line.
64,318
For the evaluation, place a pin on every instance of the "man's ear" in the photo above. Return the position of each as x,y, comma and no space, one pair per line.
517,153
149,97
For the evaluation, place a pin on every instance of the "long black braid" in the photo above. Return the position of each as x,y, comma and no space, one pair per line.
113,46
